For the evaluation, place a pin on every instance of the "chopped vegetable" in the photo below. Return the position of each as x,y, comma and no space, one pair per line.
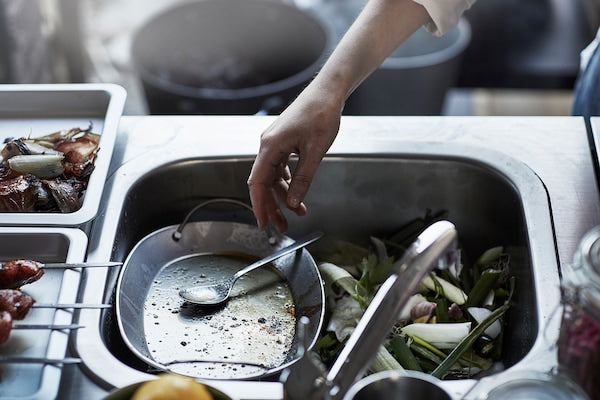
403,354
445,288
467,342
483,287
384,361
443,336
412,301
480,314
344,318
441,330
41,165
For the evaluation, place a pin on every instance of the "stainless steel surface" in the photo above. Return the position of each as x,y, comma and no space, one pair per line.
36,110
492,198
554,149
218,293
40,382
433,248
527,384
249,337
396,385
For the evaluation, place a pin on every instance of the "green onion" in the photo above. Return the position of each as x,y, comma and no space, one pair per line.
442,336
445,288
402,352
429,346
332,274
484,285
489,256
441,310
384,361
426,353
467,342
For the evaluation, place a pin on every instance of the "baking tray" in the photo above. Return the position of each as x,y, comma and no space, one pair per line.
44,244
37,110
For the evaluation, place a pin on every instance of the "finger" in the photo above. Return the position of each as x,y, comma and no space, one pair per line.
278,220
286,174
281,189
302,178
275,214
264,172
259,202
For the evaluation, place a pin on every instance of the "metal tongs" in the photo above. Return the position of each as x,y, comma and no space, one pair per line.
306,379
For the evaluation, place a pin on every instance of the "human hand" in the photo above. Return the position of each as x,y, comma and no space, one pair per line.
307,129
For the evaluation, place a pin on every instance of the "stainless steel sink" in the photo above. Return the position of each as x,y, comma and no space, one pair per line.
491,198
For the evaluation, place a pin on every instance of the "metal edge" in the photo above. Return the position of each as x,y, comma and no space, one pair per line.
89,208
504,164
59,341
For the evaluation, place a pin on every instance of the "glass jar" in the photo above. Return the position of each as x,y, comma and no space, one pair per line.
579,339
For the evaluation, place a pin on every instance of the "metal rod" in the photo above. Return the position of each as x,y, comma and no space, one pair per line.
38,360
73,305
47,326
81,265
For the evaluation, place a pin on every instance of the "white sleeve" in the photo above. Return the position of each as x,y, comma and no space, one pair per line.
444,13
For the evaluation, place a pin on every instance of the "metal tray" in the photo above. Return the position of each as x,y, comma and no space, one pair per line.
45,244
37,110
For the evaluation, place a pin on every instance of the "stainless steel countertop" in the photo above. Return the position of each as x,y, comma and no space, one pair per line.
557,149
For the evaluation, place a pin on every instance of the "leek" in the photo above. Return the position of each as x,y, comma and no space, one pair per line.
384,361
332,274
403,354
467,342
480,314
445,288
442,336
482,287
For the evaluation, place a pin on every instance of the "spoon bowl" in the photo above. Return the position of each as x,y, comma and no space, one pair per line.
215,294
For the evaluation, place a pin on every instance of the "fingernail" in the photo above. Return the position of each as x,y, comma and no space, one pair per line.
294,202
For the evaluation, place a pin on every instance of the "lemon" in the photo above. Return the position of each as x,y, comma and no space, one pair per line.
172,387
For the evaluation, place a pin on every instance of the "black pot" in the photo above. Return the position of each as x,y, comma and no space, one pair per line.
228,56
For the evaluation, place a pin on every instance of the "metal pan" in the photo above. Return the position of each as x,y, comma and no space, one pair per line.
252,335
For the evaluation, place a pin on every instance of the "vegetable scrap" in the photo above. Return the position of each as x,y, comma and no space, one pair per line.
451,328
48,173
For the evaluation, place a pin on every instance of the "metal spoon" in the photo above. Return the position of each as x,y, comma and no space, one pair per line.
217,293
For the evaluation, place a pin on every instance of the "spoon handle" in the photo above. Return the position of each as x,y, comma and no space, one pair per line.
298,244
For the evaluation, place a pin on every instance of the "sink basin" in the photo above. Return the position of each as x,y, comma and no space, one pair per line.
491,198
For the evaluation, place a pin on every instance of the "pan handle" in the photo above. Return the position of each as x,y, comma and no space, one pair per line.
178,232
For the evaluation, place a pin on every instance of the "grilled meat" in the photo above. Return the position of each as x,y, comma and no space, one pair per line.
15,302
5,326
17,195
80,154
48,173
66,193
16,273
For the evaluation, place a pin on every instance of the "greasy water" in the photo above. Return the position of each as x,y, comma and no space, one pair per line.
246,336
